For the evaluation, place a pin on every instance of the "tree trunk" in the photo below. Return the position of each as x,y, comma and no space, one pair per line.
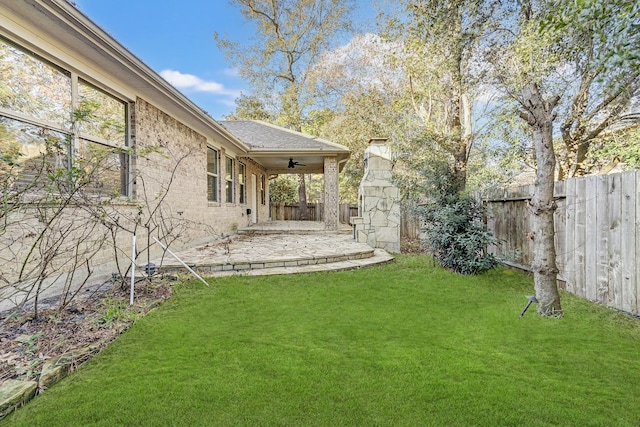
573,161
539,115
566,158
302,198
460,167
581,160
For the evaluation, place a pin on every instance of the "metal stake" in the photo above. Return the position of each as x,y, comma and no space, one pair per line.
180,261
531,299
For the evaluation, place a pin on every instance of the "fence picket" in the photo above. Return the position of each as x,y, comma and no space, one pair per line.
602,240
571,226
591,238
580,238
560,227
614,211
636,268
597,235
628,247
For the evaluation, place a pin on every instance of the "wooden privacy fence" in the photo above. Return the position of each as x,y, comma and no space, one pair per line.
597,227
291,212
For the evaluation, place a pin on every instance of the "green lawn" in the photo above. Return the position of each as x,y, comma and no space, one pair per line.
405,344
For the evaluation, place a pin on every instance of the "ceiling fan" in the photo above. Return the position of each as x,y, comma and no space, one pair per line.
293,164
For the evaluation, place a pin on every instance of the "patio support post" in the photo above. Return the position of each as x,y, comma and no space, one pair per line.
331,194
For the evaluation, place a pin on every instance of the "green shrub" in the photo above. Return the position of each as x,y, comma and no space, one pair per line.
456,236
453,226
283,189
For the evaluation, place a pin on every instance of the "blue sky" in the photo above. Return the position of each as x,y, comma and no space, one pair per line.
175,38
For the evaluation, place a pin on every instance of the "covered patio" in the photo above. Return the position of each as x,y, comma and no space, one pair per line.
283,151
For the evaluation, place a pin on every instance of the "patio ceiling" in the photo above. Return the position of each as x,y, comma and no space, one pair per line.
275,147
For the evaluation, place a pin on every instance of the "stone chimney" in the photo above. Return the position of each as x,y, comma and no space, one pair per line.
378,223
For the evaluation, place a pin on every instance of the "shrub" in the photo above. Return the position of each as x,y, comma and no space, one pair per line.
452,224
283,189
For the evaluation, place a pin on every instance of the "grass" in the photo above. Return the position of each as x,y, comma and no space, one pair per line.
404,344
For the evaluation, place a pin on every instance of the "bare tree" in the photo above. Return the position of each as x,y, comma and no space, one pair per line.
525,63
539,115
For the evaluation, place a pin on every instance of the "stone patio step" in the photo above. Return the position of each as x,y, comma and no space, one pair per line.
282,253
242,263
265,231
379,257
297,227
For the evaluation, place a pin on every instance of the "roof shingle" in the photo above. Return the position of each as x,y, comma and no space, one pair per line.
261,136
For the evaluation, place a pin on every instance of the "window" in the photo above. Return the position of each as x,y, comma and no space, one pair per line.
34,88
30,153
102,152
37,118
106,167
212,175
230,184
263,190
100,116
242,182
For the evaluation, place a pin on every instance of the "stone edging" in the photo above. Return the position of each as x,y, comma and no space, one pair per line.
15,393
243,265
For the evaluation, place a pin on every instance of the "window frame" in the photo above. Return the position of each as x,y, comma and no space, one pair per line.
263,190
230,180
120,150
73,133
242,183
214,175
94,138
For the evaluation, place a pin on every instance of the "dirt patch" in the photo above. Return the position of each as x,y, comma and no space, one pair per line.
26,343
411,246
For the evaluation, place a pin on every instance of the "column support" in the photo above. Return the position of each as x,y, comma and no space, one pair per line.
331,194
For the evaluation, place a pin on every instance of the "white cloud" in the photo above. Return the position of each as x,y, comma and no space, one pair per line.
193,83
231,72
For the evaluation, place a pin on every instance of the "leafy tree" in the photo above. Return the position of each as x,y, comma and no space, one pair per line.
621,146
367,99
290,36
282,190
576,60
439,44
598,42
249,108
525,61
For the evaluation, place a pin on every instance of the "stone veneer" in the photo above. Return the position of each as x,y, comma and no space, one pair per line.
331,194
378,201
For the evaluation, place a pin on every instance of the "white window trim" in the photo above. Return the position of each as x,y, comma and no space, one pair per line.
231,181
242,185
216,175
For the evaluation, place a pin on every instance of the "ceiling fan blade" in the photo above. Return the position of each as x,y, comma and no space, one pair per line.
293,164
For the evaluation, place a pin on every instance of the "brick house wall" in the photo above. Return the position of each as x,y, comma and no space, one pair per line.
172,143
168,182
169,137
